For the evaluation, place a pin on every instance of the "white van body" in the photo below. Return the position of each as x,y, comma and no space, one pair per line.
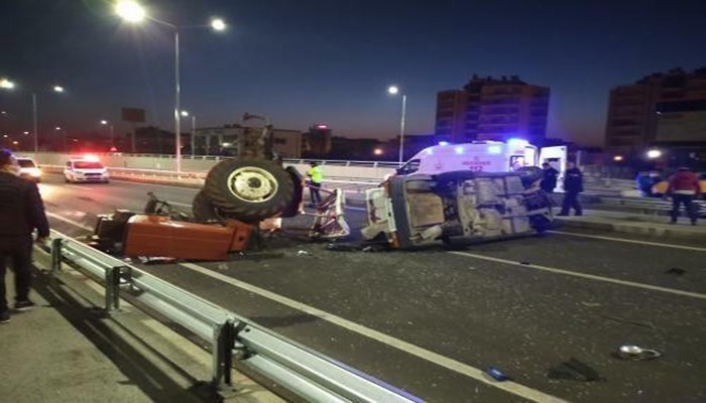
485,156
481,156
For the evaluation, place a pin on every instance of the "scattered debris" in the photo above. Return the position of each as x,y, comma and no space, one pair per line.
497,374
525,263
590,304
635,353
676,271
343,247
303,253
630,321
223,267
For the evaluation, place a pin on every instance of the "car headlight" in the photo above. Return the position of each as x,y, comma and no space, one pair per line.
35,172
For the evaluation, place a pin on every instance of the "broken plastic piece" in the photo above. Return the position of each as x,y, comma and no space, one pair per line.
497,374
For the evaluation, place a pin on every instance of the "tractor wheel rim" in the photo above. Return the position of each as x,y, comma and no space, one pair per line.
252,184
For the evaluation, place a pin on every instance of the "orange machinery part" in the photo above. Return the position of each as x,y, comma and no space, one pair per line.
150,235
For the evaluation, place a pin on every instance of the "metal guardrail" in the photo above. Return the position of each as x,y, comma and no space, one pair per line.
302,371
648,205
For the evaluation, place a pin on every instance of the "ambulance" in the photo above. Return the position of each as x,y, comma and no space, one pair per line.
485,156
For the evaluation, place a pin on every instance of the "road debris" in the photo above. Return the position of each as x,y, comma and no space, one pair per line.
303,253
497,374
676,271
635,353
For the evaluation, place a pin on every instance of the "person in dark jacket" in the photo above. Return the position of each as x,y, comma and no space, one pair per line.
684,187
573,185
549,178
21,212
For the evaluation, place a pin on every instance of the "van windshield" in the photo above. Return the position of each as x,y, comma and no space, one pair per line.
411,166
24,163
87,165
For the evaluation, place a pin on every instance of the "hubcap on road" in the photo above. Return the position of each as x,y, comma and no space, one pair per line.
252,184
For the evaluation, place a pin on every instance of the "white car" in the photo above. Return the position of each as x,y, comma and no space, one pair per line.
83,170
29,169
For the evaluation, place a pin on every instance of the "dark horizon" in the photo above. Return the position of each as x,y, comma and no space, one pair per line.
331,63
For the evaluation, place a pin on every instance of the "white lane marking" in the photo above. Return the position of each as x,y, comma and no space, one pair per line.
434,358
583,275
68,221
607,238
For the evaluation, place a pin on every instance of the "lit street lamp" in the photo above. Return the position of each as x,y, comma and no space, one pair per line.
105,122
133,12
193,130
9,85
654,154
394,90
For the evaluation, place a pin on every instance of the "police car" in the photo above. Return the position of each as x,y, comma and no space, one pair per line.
86,169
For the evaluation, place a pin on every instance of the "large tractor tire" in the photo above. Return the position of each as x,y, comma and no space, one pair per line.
249,190
204,211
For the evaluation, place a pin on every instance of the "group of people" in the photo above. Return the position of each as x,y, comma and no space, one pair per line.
683,188
21,213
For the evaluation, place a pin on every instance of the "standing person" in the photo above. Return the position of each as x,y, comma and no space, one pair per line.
549,178
316,177
573,185
21,212
684,187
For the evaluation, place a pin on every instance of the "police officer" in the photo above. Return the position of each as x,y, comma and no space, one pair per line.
21,212
573,185
549,178
316,177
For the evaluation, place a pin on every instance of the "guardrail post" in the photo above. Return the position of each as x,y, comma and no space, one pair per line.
112,289
56,246
223,343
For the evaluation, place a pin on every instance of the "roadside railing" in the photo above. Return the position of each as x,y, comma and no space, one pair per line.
653,206
300,370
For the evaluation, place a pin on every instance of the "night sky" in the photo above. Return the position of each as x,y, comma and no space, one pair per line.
309,61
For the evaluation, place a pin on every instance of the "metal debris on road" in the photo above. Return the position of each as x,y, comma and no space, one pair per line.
497,374
635,353
525,263
676,271
303,253
573,370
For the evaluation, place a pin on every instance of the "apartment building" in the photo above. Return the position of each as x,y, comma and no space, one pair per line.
662,108
490,108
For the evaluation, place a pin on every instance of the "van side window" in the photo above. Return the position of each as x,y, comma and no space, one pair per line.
410,167
517,162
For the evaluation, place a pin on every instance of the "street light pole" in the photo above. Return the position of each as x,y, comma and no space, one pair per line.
34,121
177,106
404,114
193,135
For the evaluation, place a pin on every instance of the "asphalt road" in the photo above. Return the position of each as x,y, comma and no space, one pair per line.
431,321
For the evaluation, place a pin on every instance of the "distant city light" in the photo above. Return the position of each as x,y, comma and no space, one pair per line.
25,133
130,11
184,113
393,90
652,154
458,149
322,126
4,135
618,158
377,151
58,88
443,143
15,142
58,128
218,24
104,122
7,84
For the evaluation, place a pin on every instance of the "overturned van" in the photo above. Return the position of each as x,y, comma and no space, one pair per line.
457,207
